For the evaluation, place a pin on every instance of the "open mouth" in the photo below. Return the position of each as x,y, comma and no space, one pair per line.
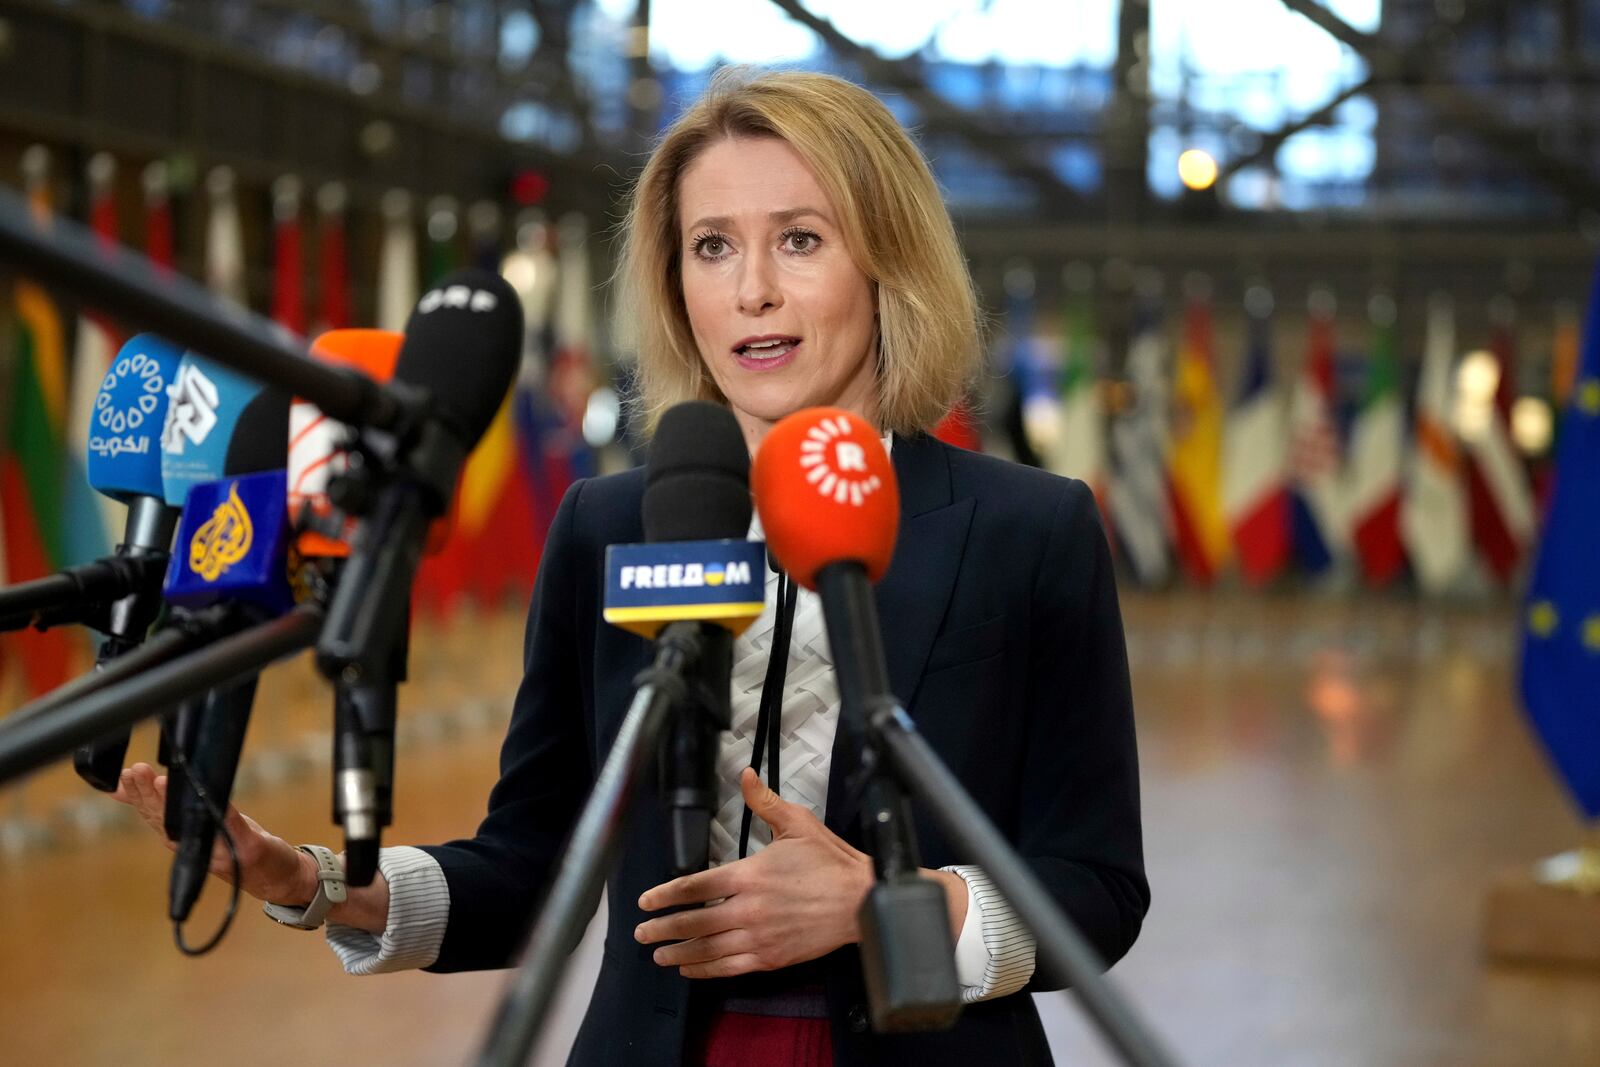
767,348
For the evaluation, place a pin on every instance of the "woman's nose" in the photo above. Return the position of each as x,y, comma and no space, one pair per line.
758,286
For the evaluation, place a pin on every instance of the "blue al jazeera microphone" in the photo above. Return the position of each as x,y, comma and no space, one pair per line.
232,549
124,463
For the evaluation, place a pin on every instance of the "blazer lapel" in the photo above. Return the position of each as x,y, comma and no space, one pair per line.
912,597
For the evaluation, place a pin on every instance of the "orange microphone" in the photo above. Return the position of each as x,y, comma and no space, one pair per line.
316,442
826,494
363,709
830,507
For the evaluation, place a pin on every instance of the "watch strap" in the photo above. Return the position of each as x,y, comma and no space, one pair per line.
331,890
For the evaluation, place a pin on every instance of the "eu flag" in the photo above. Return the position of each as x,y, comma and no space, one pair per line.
1561,624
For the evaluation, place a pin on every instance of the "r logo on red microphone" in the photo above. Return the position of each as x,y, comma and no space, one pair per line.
836,465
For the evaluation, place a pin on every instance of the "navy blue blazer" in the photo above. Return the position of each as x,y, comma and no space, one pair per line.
1004,642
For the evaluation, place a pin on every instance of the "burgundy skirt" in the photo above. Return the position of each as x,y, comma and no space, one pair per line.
735,1039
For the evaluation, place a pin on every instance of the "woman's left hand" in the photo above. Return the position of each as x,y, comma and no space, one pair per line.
793,901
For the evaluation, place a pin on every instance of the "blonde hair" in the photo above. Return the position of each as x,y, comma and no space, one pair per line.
890,211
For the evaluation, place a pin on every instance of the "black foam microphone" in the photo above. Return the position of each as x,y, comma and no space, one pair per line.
697,488
462,347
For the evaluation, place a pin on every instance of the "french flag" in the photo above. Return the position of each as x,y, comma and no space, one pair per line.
1318,527
1255,492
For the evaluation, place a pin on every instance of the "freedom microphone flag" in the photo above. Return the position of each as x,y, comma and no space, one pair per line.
651,585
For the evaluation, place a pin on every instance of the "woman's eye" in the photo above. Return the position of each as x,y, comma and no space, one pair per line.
802,241
712,247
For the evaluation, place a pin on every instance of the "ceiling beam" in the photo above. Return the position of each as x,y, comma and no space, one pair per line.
1574,182
976,131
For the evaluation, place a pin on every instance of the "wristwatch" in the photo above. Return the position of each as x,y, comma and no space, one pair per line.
330,891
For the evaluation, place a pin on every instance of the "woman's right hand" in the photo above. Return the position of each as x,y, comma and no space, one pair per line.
269,867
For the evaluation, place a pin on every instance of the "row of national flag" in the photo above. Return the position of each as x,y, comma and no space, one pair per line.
54,360
1316,475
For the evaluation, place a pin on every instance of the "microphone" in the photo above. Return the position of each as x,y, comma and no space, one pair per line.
115,594
699,571
124,463
232,550
830,506
219,424
363,709
462,346
224,448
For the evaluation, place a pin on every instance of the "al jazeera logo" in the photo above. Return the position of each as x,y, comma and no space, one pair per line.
222,540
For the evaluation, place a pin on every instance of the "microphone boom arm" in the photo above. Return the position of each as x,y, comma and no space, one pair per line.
130,287
581,870
908,757
32,741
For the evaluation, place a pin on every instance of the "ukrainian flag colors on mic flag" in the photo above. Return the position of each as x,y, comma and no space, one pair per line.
1561,623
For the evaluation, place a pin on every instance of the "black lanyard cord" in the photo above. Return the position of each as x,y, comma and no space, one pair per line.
769,714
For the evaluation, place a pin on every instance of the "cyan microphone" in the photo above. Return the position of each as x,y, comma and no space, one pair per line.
124,463
363,707
830,507
696,569
219,424
232,550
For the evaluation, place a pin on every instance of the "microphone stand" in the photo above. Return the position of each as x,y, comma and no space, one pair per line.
907,952
363,760
896,753
82,594
582,869
32,741
164,645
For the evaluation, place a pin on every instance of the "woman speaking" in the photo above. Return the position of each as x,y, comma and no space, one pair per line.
786,247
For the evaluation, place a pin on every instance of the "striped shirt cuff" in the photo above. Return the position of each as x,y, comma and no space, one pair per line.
419,909
995,952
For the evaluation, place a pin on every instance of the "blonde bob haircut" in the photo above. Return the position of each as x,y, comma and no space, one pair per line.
889,209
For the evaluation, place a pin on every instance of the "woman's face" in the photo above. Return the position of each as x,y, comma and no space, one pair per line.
783,317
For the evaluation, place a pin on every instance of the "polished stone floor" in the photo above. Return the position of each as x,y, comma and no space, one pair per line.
1329,787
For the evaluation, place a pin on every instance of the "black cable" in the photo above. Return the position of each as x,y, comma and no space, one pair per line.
181,761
